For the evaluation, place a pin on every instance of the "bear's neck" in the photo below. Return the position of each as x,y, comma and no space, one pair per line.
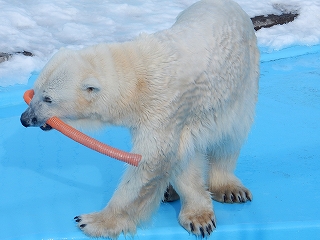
129,66
136,65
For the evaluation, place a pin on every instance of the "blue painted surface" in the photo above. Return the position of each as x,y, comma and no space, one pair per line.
46,179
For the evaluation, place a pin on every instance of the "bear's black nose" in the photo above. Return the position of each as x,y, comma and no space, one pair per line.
27,119
24,122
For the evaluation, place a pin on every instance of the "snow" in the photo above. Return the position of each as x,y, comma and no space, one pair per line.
305,30
43,27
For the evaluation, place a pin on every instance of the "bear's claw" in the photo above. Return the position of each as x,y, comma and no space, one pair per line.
77,219
203,231
82,225
213,223
209,229
192,227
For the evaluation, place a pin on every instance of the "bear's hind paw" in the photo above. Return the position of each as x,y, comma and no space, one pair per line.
231,193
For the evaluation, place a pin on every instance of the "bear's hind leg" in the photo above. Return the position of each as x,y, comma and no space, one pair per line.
196,214
223,184
170,195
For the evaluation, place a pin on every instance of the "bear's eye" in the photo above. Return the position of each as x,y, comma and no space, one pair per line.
47,99
90,89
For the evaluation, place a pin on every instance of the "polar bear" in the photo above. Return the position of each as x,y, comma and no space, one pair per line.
188,96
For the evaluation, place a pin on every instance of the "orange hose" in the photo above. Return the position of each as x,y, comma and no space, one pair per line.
58,124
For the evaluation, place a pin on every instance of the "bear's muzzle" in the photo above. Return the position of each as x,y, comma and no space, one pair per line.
29,119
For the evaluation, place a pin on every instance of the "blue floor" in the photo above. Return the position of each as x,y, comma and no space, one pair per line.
46,179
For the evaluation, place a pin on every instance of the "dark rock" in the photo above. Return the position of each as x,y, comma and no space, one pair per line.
270,20
6,56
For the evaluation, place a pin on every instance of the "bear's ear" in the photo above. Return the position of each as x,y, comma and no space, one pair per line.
90,87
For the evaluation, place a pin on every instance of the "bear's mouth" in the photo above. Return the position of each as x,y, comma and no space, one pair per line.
46,127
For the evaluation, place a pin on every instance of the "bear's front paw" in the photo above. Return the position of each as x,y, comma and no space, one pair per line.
102,224
198,222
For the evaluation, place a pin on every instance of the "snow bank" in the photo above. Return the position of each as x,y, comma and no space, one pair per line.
42,27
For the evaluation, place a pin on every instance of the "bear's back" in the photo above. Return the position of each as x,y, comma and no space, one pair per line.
215,49
215,73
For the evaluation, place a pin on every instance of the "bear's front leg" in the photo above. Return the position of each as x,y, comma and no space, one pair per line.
196,215
138,194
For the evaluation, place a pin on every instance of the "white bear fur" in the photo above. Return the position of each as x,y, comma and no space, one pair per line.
188,96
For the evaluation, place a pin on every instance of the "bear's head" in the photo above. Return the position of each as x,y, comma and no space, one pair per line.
69,88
